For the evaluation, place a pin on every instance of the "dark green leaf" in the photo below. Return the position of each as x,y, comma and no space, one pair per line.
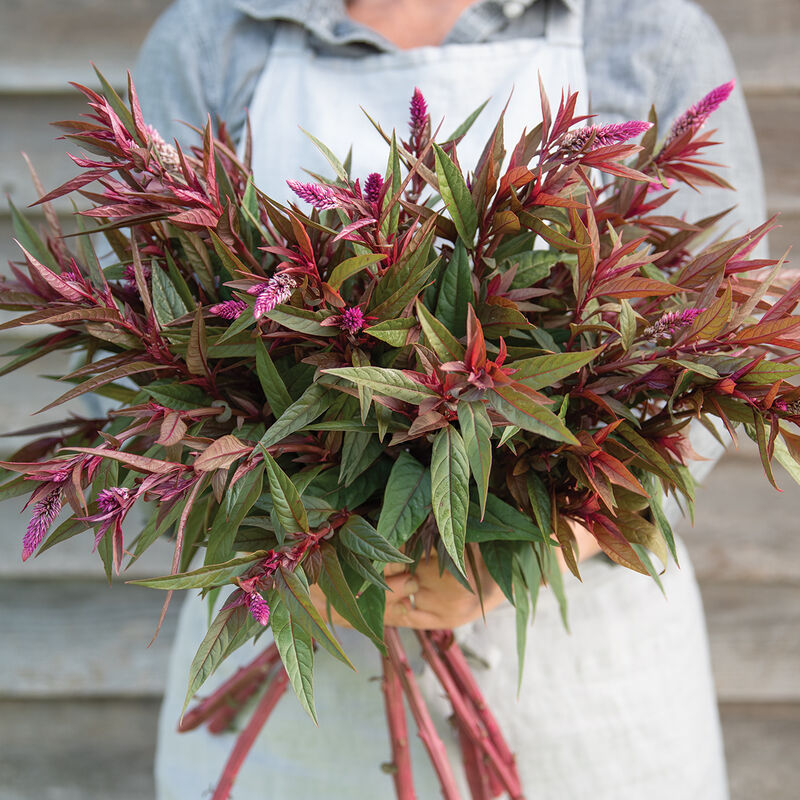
450,491
271,381
406,501
476,429
286,502
455,291
204,577
360,537
456,196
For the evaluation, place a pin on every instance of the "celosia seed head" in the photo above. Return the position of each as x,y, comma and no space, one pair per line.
230,309
372,187
319,196
259,609
44,512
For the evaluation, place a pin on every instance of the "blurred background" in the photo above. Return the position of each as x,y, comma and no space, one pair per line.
79,691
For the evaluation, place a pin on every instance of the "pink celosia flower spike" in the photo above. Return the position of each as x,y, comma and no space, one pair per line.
419,113
672,321
604,135
372,187
696,116
319,196
351,320
230,309
277,290
44,512
259,609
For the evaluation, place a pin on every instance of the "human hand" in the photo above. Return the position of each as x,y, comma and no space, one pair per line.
427,600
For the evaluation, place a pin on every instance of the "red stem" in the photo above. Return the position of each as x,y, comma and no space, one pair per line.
246,738
468,718
221,719
427,730
398,732
454,658
253,672
473,766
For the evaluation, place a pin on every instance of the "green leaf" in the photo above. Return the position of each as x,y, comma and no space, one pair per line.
177,396
551,570
406,501
476,429
286,502
293,590
167,302
311,404
455,292
271,381
360,537
450,491
238,502
196,352
332,581
301,320
217,645
543,371
540,501
27,236
337,165
498,557
456,196
523,412
523,613
439,339
392,331
296,649
627,324
395,179
204,577
501,522
386,382
352,266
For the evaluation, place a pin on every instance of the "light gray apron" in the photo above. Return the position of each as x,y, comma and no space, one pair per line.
623,707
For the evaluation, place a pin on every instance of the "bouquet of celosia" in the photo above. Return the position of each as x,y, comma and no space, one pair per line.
427,360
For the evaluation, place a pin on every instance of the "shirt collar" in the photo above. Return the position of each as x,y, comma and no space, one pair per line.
328,10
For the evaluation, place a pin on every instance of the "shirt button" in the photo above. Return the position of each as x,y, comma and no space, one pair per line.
513,9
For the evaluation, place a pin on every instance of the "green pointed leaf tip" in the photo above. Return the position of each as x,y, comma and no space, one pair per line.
450,492
456,196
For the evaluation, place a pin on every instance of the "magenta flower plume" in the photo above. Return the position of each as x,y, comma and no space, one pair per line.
129,274
44,512
277,290
419,114
696,116
604,135
351,320
672,321
319,196
230,309
112,500
372,187
258,607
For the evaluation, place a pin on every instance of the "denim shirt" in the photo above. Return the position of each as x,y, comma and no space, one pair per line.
205,56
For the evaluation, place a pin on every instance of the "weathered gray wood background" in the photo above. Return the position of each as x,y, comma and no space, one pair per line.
79,691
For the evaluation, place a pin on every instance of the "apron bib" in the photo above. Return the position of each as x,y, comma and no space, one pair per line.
325,94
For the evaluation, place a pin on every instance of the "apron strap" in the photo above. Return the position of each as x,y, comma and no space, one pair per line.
564,25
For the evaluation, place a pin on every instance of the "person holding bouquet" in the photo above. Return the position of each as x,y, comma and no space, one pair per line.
623,705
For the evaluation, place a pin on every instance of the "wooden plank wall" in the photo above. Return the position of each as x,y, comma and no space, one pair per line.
78,689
